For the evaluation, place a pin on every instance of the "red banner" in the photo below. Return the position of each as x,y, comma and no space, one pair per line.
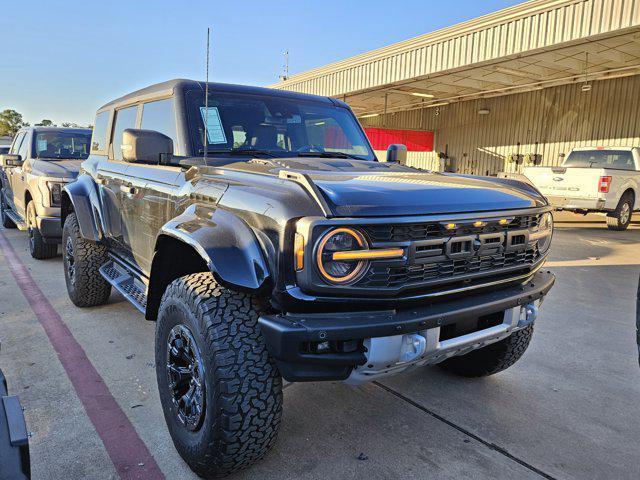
415,140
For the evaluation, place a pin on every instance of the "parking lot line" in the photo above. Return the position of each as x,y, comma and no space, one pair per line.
463,430
127,451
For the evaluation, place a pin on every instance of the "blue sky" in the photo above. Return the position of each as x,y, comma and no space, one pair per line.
63,59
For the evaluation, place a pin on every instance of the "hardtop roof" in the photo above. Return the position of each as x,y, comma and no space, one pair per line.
171,86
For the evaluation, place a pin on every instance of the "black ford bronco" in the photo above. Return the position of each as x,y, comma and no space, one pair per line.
258,229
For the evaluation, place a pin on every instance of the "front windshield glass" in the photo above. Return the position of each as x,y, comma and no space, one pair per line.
58,145
276,126
616,159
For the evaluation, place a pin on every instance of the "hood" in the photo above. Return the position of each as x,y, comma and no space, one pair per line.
56,168
365,188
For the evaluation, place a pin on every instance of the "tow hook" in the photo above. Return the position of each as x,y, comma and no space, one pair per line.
530,313
413,346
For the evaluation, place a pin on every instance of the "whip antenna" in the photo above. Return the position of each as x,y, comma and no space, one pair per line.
206,102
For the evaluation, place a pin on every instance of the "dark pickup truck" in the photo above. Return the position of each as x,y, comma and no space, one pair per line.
259,230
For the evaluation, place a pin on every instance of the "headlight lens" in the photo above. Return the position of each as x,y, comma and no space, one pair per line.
546,230
55,192
340,240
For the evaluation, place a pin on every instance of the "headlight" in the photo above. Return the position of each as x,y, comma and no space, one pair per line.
545,232
332,268
55,192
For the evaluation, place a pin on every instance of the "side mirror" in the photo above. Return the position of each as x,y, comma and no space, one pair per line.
146,146
397,153
7,160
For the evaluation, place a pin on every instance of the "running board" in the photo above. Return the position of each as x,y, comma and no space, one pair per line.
131,287
15,218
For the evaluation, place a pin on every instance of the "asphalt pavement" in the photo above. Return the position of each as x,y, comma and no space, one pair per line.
569,409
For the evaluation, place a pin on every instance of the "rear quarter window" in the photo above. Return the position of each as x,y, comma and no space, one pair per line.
99,137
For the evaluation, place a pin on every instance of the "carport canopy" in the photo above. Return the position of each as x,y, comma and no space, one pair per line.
531,46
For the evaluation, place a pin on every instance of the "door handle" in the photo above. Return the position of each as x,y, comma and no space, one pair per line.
128,189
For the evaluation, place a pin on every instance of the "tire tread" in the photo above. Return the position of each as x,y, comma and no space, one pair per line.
246,383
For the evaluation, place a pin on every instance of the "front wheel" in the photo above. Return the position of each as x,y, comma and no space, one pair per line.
37,246
493,358
620,218
221,392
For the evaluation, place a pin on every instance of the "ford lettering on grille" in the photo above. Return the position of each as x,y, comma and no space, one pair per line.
470,246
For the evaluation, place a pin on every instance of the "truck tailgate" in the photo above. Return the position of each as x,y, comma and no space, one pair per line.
573,182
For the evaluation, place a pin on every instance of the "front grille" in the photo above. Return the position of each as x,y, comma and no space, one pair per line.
467,254
425,231
413,275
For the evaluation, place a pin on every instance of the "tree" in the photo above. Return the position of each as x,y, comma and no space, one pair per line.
44,123
10,122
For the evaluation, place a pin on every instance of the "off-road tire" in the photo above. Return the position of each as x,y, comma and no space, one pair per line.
6,221
243,388
38,248
493,358
620,218
86,286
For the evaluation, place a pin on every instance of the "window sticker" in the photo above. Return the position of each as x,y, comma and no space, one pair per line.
41,145
215,132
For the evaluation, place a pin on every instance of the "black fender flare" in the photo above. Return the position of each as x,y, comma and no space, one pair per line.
81,197
227,245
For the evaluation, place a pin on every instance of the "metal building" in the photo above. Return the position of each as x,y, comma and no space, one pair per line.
520,85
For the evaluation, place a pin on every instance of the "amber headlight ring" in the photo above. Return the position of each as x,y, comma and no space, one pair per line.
337,271
545,232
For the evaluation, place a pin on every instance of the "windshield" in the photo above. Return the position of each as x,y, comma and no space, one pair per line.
4,149
616,159
276,126
57,145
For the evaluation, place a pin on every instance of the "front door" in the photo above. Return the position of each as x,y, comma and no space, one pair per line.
8,172
148,202
112,177
18,183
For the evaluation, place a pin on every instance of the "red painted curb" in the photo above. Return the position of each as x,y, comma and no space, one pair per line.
126,449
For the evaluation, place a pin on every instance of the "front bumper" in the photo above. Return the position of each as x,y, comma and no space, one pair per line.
50,229
288,336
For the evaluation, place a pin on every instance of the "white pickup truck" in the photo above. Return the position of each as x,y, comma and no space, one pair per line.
601,179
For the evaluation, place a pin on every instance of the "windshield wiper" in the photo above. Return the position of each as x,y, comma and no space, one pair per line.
329,155
240,151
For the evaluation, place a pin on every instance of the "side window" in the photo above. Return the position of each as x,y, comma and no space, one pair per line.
160,116
15,146
125,118
25,148
239,136
99,137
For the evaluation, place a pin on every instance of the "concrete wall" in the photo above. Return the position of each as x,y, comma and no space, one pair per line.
548,122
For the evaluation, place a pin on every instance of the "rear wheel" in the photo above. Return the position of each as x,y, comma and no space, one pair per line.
221,392
82,260
37,246
6,221
493,358
620,218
